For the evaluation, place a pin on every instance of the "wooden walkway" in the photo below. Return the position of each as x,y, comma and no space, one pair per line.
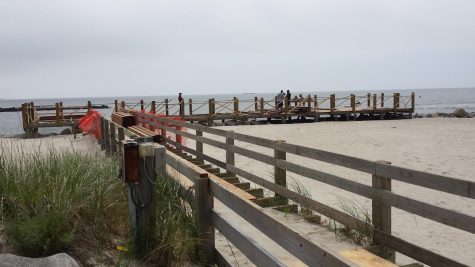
350,107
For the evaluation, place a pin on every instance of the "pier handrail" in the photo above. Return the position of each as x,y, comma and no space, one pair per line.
446,184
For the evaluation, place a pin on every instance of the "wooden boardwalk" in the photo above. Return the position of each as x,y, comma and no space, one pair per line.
350,107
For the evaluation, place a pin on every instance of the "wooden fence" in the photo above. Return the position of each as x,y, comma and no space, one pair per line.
380,192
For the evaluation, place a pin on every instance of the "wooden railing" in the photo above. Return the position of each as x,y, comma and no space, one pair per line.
380,192
259,105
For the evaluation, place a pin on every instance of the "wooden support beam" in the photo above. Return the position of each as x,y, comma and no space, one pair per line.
381,211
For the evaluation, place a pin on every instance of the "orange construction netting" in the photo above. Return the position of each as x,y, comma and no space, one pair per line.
91,123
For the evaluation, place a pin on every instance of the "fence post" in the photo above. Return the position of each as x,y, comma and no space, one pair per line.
116,106
261,104
89,105
204,205
113,141
382,100
122,105
121,135
160,165
107,140
368,96
332,105
280,175
103,138
199,145
256,107
181,104
316,117
142,108
381,212
229,153
142,201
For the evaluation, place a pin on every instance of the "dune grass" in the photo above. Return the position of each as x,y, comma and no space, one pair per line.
52,199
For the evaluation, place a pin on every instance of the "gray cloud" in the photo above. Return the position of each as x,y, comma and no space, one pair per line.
56,48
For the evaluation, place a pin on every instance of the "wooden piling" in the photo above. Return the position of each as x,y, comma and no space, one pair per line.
56,106
382,100
116,106
381,211
353,103
368,96
181,105
256,107
413,101
122,105
332,105
121,137
374,102
236,106
89,105
395,101
309,105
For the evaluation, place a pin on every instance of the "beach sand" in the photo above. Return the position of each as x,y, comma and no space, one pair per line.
437,145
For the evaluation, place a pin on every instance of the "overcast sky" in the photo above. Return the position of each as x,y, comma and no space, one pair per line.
87,48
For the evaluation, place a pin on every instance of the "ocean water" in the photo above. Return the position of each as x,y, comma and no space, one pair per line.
427,101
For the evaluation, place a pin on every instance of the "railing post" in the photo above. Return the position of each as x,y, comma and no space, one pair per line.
256,108
142,201
204,205
182,108
413,101
368,96
56,106
382,100
142,109
199,144
166,107
353,103
61,110
24,116
107,140
103,138
89,105
116,106
309,105
211,111
374,102
316,117
332,105
381,212
280,175
395,101
261,105
190,105
122,105
236,106
121,136
229,153
113,141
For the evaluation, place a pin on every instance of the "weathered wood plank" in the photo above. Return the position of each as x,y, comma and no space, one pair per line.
310,253
246,244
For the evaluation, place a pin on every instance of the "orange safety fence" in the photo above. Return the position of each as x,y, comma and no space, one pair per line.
91,123
143,122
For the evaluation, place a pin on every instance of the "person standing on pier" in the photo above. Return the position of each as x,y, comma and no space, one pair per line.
180,98
280,99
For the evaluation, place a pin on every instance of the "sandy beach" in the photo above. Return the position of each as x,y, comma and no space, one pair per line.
437,145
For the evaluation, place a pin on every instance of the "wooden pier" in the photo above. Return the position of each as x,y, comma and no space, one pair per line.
34,117
351,107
